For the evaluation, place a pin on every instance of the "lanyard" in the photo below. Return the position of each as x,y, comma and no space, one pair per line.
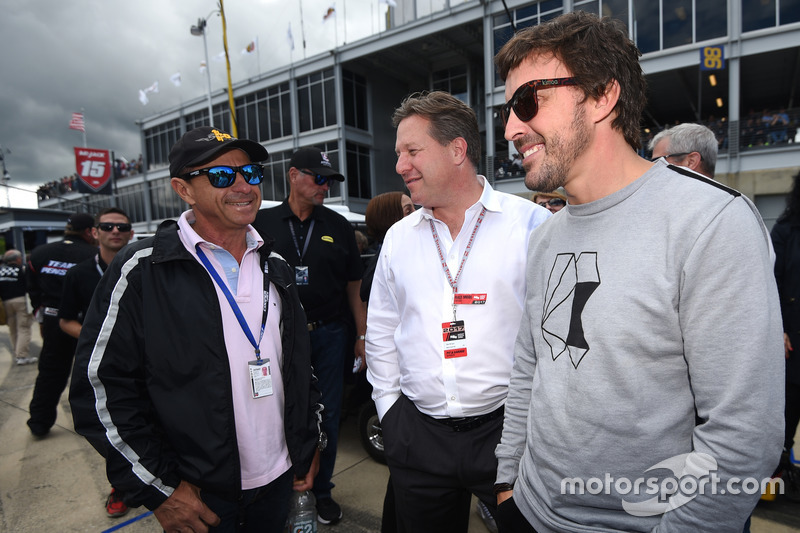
235,307
308,239
97,264
454,281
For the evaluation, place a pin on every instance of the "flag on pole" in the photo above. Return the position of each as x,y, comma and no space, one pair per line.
219,57
251,47
77,122
203,67
331,12
290,37
176,79
390,3
143,93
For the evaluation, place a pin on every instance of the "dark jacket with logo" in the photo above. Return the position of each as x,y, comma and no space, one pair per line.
151,387
47,266
786,241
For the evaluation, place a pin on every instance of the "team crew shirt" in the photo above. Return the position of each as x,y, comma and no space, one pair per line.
79,284
332,256
263,453
412,299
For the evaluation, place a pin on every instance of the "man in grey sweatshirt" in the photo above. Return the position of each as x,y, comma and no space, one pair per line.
647,387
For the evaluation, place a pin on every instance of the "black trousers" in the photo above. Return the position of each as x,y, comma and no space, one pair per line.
435,470
55,367
509,518
792,412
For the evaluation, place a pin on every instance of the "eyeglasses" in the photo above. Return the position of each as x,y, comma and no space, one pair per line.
224,176
319,179
525,103
109,226
552,202
679,154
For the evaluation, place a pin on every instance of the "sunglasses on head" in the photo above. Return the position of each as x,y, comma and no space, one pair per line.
222,176
319,179
525,103
552,202
109,226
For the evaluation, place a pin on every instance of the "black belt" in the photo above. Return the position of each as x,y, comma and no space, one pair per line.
466,423
319,323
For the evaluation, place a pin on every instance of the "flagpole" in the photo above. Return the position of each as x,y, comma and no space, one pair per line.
232,108
84,128
302,29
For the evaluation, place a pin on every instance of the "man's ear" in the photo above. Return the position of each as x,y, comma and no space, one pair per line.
184,190
605,105
693,161
458,147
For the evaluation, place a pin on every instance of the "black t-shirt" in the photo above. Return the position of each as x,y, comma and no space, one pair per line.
12,282
49,264
332,255
79,285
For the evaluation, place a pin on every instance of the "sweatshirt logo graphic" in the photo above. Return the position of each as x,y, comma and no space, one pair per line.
57,268
572,282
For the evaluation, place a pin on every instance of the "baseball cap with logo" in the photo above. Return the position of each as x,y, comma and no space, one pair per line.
203,144
316,161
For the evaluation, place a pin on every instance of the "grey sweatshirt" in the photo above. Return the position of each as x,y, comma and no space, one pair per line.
646,309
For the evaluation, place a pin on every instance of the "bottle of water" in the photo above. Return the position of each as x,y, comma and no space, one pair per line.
303,513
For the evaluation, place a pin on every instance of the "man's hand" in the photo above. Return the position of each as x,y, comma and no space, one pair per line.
787,345
185,511
503,496
307,482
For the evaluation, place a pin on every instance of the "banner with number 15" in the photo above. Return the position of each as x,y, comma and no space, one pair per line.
94,170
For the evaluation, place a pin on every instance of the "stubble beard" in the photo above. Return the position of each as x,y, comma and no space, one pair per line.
560,153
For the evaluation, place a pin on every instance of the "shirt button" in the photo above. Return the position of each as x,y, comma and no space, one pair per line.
233,269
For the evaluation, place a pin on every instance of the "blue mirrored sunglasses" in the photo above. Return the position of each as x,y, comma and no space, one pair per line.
319,179
222,176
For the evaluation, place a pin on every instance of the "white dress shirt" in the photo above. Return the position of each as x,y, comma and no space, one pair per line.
411,299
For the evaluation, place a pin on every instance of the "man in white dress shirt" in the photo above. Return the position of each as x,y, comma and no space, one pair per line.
444,311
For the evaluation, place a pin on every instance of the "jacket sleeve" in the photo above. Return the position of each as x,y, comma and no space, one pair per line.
780,241
110,405
32,284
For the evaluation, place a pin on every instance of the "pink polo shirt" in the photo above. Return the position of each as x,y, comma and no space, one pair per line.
263,453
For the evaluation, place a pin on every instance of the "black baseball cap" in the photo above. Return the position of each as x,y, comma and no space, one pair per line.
204,144
316,161
80,222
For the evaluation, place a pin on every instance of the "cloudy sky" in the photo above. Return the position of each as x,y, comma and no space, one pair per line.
95,55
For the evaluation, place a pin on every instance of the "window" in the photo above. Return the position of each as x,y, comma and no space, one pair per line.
200,118
158,141
163,200
316,100
274,186
358,173
260,114
454,81
355,100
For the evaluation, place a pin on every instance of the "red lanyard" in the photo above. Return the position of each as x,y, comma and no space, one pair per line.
454,282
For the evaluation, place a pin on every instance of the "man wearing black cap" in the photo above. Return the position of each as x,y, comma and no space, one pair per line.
47,266
193,374
321,247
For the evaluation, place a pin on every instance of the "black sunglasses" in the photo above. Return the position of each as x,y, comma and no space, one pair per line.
553,202
525,103
319,179
222,176
109,226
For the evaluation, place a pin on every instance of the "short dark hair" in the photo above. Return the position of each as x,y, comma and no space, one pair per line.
596,51
110,210
450,118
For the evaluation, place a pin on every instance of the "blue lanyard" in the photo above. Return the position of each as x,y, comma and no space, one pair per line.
235,307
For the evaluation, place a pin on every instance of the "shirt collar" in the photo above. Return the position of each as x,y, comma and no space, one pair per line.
191,239
489,199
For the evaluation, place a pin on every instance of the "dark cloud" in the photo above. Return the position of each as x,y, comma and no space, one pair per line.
60,57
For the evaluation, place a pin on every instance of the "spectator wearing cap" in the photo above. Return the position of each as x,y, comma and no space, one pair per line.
320,245
47,266
193,373
552,201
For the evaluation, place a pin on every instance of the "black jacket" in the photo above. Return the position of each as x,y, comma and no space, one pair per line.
151,387
786,241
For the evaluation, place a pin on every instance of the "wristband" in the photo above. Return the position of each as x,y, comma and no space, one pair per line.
502,487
